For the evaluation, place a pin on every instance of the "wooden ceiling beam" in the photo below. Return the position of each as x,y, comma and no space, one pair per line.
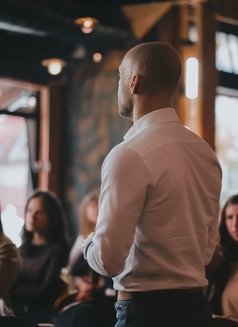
206,47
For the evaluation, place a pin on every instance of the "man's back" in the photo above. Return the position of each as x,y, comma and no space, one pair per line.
180,211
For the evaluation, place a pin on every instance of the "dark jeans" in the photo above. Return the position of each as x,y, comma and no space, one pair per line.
165,308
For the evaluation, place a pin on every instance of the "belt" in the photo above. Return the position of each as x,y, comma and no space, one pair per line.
123,296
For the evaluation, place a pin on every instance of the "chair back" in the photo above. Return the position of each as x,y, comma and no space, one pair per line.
16,321
224,322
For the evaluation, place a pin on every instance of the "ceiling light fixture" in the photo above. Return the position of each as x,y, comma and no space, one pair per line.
86,24
191,78
97,57
54,65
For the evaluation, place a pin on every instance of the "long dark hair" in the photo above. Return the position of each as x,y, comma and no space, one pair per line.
56,229
228,246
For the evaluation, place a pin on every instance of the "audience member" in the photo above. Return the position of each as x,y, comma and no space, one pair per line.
44,252
88,213
90,299
9,268
223,270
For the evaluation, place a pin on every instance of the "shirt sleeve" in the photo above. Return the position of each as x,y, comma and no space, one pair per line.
212,240
125,183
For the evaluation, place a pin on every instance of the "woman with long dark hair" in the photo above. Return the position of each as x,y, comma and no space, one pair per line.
44,252
223,279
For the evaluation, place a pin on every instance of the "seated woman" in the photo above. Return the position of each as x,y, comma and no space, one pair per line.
9,268
223,270
88,213
44,251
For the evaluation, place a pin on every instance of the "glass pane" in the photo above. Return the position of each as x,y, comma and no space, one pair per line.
223,61
233,44
227,143
227,52
14,172
16,99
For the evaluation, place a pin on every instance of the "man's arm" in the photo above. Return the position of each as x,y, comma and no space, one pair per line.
125,181
212,239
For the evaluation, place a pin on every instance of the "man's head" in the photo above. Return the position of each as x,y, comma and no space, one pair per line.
148,71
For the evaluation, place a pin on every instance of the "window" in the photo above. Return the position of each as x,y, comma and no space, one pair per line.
226,118
18,146
226,107
226,53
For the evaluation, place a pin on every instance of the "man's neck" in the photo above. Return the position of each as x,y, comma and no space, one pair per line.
137,114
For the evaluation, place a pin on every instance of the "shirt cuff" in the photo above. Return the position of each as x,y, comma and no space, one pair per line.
87,242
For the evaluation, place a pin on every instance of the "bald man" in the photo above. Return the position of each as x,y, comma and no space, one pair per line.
158,209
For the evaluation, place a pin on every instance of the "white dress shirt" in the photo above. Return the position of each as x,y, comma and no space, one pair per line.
158,208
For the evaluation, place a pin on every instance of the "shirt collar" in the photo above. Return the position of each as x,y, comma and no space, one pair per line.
154,117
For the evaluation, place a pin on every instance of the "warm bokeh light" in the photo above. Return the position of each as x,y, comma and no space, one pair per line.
97,57
54,65
191,78
86,24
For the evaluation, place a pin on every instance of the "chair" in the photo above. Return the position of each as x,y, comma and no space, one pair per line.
16,321
224,322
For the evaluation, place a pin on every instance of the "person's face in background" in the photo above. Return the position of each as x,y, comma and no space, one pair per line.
36,219
92,211
231,220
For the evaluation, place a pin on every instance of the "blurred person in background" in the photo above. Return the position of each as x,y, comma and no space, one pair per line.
87,218
44,251
9,267
88,214
223,270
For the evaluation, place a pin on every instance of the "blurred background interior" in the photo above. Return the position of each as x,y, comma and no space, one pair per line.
58,89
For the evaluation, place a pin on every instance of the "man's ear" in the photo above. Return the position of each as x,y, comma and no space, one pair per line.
134,84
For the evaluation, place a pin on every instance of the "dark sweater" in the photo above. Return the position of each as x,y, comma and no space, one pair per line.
39,284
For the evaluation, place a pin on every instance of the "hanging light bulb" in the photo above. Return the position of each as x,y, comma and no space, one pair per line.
97,57
54,65
86,24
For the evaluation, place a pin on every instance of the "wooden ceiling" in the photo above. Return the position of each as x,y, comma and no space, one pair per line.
32,30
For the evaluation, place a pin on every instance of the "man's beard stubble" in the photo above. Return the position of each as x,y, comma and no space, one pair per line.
126,112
